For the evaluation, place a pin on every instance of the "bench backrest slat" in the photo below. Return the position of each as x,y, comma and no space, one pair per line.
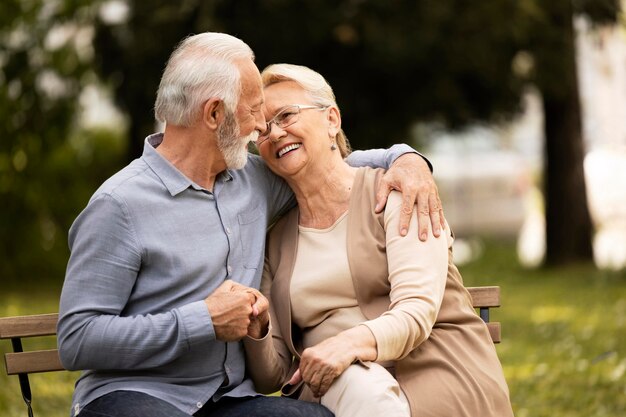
31,362
494,331
485,296
28,326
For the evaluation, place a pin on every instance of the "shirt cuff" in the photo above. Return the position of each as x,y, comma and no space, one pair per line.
396,151
197,322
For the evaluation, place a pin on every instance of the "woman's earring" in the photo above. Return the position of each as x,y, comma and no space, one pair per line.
333,146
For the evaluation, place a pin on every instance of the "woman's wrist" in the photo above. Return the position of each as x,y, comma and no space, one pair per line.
362,342
259,327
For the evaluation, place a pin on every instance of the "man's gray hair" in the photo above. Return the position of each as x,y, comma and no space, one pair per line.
202,66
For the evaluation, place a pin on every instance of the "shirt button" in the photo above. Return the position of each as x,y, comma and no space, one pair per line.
229,269
228,230
199,404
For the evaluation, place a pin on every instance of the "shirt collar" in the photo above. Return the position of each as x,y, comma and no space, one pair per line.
174,180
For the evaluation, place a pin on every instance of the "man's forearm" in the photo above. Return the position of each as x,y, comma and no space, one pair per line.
381,158
93,333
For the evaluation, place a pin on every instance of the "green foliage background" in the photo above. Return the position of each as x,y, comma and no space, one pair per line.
49,165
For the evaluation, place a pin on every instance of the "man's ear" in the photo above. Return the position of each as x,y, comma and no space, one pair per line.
213,113
334,121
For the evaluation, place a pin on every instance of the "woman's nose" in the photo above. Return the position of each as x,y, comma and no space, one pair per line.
275,137
275,132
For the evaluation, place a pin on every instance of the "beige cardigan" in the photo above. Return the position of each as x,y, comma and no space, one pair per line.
455,372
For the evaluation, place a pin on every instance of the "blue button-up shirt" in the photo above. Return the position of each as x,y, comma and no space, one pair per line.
147,250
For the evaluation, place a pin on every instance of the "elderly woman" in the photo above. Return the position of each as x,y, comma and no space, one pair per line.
373,323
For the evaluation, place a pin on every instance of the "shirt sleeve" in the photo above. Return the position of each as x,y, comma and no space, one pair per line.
417,274
382,158
104,265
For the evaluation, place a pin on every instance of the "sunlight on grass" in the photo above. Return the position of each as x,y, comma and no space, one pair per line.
546,314
563,348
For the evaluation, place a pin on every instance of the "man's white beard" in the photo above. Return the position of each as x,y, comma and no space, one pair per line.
231,145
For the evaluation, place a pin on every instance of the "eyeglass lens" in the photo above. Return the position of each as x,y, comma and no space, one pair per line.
284,118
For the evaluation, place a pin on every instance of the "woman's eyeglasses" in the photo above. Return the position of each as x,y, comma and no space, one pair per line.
285,118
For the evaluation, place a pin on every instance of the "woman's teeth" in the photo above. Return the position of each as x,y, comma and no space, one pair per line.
288,148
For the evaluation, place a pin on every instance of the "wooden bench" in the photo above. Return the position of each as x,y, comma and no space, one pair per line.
485,298
22,363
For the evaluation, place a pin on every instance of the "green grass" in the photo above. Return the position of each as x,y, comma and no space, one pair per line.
563,348
563,330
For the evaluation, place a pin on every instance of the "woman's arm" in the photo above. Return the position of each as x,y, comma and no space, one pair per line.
417,274
268,359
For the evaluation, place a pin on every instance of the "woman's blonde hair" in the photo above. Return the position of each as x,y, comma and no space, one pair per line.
315,86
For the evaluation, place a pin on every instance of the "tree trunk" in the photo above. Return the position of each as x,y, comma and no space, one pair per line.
568,224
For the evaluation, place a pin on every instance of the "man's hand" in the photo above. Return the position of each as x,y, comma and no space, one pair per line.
410,175
231,307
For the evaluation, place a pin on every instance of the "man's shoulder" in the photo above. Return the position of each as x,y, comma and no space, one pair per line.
127,181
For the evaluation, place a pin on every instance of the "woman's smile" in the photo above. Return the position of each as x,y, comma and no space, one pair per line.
287,149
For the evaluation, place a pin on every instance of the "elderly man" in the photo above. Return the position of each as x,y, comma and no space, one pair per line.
166,257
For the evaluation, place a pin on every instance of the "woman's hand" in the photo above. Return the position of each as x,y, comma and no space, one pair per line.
321,364
411,175
260,317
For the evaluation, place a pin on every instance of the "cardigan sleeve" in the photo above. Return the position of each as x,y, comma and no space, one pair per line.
417,275
268,360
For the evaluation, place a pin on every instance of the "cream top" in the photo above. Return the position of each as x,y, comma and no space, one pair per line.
323,299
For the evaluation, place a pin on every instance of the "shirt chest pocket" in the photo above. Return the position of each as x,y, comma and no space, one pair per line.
252,226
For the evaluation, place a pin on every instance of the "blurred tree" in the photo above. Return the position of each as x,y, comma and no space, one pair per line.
368,50
393,63
552,43
132,52
396,62
48,167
